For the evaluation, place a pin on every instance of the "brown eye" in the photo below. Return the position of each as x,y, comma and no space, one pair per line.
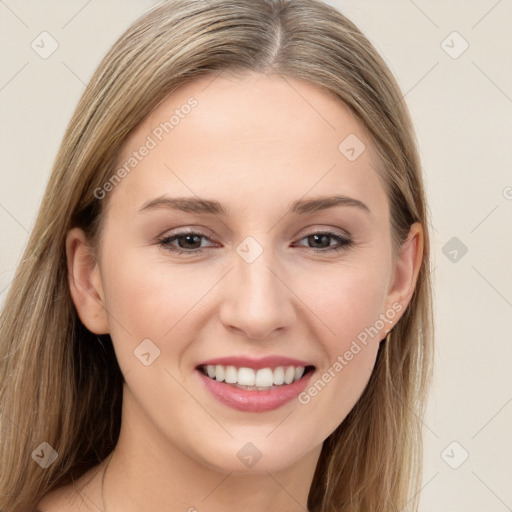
321,241
186,242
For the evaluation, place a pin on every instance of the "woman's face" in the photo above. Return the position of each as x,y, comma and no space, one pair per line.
222,244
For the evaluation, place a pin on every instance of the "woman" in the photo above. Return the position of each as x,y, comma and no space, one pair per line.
225,301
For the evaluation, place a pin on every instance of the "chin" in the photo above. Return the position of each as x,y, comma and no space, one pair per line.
249,457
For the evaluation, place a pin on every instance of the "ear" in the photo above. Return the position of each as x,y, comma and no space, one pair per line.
85,282
406,270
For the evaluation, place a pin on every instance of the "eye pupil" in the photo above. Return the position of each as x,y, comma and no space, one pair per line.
318,237
190,239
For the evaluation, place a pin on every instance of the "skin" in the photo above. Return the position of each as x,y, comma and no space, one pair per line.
254,143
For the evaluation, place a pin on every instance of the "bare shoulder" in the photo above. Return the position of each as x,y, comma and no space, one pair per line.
83,495
62,499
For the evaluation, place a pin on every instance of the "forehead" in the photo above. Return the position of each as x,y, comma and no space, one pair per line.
256,135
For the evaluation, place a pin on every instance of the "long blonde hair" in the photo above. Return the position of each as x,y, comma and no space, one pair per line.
57,386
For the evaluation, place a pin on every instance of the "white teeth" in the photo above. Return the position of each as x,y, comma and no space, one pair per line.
231,376
246,376
279,376
264,378
289,374
219,372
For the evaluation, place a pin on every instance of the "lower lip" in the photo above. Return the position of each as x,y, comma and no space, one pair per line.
255,401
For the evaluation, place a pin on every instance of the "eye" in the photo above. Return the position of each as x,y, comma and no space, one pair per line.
322,241
188,242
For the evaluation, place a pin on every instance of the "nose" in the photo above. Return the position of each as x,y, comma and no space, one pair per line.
257,300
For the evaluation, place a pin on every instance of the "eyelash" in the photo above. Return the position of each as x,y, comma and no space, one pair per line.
165,242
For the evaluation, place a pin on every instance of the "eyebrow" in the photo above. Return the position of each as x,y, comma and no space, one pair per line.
299,207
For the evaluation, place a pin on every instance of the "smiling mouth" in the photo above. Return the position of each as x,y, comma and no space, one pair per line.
262,379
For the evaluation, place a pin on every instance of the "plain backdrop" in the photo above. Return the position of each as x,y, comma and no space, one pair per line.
453,62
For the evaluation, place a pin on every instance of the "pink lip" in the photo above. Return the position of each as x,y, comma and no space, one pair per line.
256,364
255,401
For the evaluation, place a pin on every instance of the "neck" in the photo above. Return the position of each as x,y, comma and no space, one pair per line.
149,472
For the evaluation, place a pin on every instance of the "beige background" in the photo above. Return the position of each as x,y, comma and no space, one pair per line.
462,109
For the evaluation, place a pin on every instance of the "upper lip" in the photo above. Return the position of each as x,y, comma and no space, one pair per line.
249,362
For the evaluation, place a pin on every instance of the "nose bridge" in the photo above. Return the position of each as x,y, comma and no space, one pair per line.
256,301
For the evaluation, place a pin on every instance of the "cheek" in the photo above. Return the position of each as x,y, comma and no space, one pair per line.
149,296
350,305
347,300
146,301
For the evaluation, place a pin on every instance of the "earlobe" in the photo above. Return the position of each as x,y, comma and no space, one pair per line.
407,267
85,282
